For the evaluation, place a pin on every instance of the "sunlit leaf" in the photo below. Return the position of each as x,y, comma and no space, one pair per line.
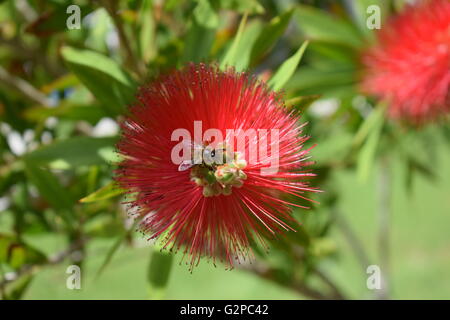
106,192
301,103
367,153
367,126
17,256
270,35
232,55
205,14
287,69
249,37
107,81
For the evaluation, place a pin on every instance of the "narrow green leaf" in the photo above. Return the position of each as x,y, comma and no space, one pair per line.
249,37
72,152
97,36
367,153
198,43
250,6
106,192
308,80
147,41
232,55
206,15
67,111
287,69
270,35
370,122
107,81
301,103
159,273
63,82
4,245
17,256
318,25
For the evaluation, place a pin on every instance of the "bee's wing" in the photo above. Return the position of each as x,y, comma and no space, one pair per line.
186,164
191,144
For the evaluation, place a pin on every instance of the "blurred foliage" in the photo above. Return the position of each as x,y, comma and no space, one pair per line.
62,92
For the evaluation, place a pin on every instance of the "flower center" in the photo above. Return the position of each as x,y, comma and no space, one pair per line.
220,179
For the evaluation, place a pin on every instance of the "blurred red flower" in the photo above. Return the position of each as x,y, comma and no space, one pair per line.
207,209
410,64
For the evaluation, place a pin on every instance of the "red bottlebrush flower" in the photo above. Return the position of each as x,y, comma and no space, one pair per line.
212,210
410,64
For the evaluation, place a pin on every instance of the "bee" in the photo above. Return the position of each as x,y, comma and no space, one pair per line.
206,152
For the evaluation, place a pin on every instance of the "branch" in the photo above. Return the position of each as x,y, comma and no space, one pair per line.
335,291
135,64
26,89
297,286
352,239
384,214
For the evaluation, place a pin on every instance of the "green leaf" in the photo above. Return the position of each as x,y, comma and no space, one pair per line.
232,56
4,246
287,69
206,15
321,247
98,32
61,83
17,256
366,156
375,117
198,43
106,192
146,22
301,103
67,111
158,273
308,80
318,25
270,35
250,6
107,81
72,152
249,37
49,187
